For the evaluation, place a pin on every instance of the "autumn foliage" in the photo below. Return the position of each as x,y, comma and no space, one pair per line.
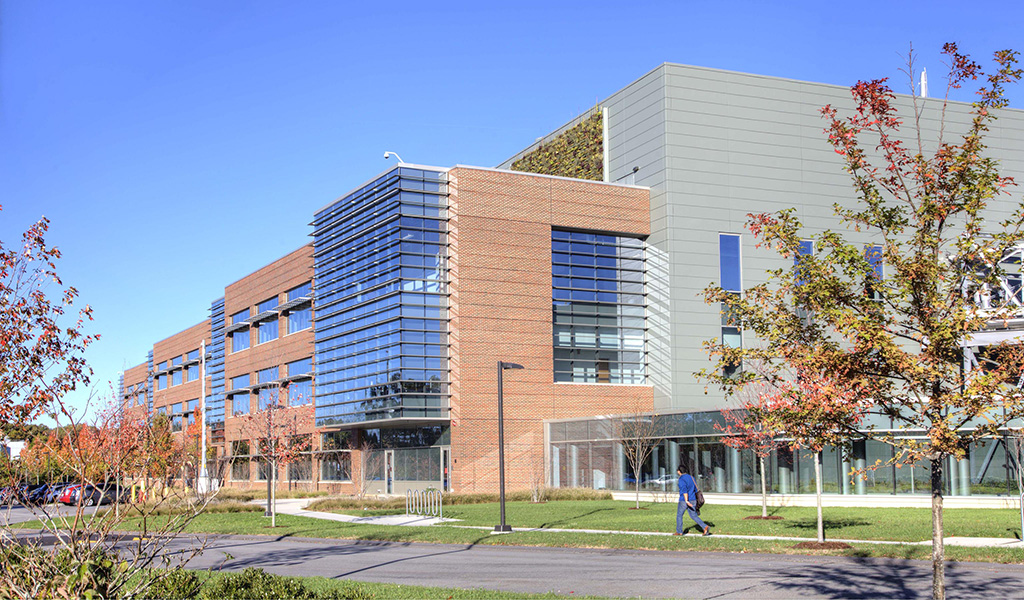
842,350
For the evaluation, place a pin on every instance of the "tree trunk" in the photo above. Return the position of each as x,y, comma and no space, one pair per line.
764,492
938,550
638,492
273,492
270,511
817,492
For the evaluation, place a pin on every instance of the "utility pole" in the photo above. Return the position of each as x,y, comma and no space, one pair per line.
204,476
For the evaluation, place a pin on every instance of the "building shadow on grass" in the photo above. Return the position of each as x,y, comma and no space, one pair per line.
892,578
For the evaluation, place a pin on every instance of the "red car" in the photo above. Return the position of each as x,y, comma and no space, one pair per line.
69,495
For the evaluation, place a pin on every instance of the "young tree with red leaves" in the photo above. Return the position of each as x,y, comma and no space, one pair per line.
836,339
41,353
744,431
277,430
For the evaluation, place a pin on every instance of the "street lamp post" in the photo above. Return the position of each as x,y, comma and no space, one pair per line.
502,528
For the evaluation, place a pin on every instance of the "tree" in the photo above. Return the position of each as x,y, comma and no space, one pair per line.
40,352
889,341
277,430
636,431
743,431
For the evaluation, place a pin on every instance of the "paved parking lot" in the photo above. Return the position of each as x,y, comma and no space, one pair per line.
19,514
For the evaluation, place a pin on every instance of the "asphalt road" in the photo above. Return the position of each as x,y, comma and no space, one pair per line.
618,573
20,514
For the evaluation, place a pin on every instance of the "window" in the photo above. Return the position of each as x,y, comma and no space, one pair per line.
240,404
299,319
176,361
300,367
873,254
336,466
267,331
192,373
300,392
262,469
302,291
269,396
240,460
806,248
241,381
176,423
730,272
239,340
193,355
599,308
176,377
239,316
266,375
266,305
160,382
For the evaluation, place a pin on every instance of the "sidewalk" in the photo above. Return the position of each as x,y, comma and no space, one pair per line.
296,506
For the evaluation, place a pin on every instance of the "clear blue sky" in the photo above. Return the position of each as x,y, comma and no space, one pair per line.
178,146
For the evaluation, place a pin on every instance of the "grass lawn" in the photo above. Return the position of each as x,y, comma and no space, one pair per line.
896,524
295,526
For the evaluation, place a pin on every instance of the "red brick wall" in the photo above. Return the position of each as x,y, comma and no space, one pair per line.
174,347
500,304
272,280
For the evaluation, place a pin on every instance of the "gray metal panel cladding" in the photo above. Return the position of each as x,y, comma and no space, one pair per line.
715,146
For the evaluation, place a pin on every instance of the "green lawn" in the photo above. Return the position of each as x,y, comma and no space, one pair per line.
909,525
294,526
896,524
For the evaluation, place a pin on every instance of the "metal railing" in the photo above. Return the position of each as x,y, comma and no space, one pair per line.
426,503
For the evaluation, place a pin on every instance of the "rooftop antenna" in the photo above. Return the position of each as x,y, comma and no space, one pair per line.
388,155
924,83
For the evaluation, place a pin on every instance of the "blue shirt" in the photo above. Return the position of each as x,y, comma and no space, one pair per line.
687,486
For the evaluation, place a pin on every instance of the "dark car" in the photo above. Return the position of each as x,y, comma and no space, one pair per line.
35,495
54,493
90,495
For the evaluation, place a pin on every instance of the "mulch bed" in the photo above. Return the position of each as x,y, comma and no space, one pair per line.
823,546
760,518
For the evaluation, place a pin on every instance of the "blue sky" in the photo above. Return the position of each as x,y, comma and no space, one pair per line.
178,146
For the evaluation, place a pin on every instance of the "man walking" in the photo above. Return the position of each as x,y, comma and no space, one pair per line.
687,498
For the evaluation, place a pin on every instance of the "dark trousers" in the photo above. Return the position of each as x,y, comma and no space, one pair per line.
684,509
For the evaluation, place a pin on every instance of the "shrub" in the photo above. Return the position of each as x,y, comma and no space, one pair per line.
256,584
176,584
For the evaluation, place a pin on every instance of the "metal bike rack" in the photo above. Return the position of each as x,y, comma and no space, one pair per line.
426,503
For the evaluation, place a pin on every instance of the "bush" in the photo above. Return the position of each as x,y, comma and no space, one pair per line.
176,584
32,571
256,584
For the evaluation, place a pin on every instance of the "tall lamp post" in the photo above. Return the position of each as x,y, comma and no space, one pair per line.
502,528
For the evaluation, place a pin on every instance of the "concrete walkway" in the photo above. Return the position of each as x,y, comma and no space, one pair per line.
297,506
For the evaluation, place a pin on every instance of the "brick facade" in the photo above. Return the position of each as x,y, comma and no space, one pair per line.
500,307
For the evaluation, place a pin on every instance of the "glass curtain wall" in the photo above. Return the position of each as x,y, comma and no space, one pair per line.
584,454
380,262
599,308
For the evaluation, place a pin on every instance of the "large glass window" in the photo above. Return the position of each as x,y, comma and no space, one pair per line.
266,305
176,377
240,403
159,382
239,340
380,259
730,271
240,381
300,392
302,291
239,316
192,373
267,331
599,308
300,318
336,466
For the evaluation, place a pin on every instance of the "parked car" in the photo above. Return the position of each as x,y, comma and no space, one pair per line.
37,495
68,493
54,493
91,495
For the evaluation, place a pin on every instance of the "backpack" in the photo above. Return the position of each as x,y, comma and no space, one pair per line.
698,500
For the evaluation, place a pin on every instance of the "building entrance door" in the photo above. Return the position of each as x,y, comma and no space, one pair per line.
389,472
446,469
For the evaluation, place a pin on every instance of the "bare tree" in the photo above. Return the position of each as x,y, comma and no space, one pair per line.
276,429
636,431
